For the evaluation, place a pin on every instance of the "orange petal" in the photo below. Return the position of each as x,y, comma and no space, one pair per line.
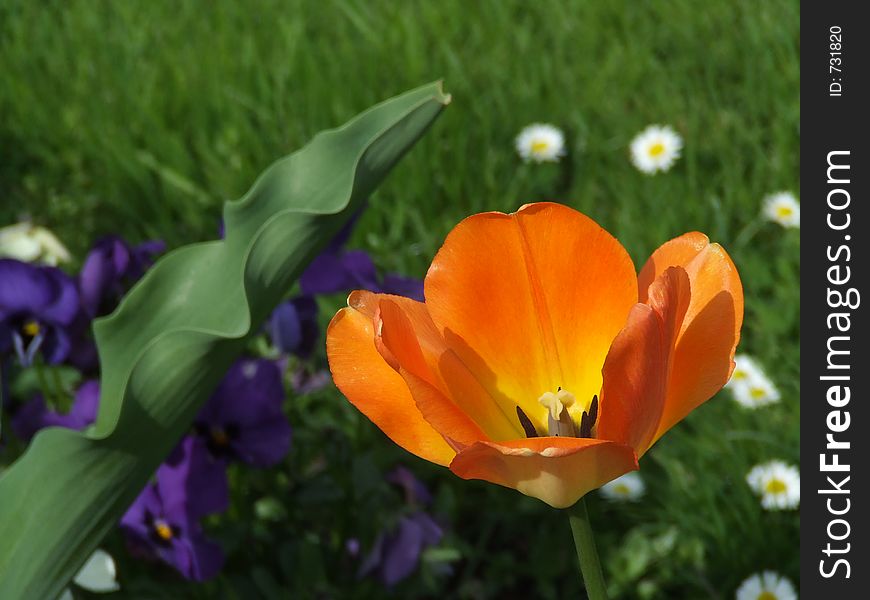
376,389
704,354
407,336
638,365
557,470
531,302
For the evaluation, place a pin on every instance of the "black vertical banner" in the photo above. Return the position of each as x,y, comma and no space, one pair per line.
835,342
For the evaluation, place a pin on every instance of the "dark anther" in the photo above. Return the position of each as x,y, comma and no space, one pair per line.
526,423
585,426
593,410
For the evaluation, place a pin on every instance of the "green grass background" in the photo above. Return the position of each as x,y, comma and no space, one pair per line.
141,118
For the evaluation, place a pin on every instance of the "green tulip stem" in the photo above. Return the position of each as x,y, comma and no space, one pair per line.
590,566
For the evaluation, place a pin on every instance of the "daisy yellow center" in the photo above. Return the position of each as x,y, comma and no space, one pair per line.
775,486
163,530
539,146
657,149
784,211
758,392
31,328
765,595
739,375
621,489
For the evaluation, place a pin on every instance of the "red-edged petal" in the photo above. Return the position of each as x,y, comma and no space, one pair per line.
704,354
557,470
531,302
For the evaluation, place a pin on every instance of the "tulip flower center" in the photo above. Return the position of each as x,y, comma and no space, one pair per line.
560,421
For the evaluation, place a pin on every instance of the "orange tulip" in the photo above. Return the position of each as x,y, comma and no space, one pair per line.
539,360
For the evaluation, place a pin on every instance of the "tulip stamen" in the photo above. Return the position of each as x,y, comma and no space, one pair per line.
559,421
527,424
588,418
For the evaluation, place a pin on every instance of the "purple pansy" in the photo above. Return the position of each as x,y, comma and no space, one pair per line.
110,268
243,419
163,522
344,270
337,269
293,326
395,555
35,415
37,306
416,493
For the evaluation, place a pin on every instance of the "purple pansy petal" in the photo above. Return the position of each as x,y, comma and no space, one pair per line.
64,303
251,392
325,275
399,285
208,558
360,269
25,288
432,531
265,444
56,345
415,491
192,484
374,558
30,418
86,403
293,326
402,552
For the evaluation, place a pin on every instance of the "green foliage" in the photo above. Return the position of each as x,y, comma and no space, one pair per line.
169,343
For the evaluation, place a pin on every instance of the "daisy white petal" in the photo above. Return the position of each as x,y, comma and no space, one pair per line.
755,391
29,243
627,488
745,369
778,484
766,586
783,208
98,573
541,142
655,149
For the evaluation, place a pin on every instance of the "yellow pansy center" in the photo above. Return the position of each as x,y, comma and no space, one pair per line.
765,595
219,436
30,328
163,530
656,149
775,486
539,146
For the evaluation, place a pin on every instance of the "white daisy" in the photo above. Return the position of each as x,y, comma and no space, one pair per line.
656,148
778,483
745,369
96,575
628,488
541,142
29,243
766,586
755,391
783,208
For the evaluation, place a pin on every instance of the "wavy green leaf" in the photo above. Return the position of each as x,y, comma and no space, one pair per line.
168,344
